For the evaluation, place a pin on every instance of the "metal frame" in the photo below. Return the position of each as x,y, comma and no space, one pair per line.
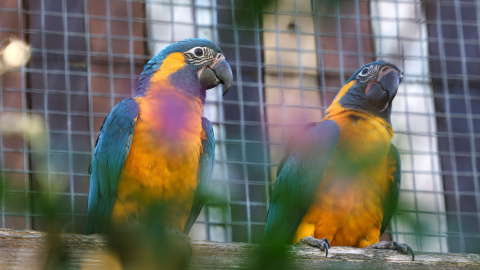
218,223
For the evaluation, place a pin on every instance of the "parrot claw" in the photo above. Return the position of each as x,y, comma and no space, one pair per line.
323,244
400,247
405,249
181,241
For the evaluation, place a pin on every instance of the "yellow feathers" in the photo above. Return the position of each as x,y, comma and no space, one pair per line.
163,159
348,196
172,63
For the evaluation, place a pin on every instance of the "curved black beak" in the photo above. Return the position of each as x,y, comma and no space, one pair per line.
219,73
383,90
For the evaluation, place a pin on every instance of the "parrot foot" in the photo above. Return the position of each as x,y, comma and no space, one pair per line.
181,241
400,247
323,244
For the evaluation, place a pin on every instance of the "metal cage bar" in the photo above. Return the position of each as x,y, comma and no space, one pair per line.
278,76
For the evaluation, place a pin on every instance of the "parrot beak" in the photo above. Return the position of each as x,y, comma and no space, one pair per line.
218,73
382,91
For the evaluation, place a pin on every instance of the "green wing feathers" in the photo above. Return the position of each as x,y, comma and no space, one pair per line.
298,179
391,198
206,163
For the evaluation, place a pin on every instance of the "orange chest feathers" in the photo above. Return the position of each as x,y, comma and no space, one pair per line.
162,164
348,206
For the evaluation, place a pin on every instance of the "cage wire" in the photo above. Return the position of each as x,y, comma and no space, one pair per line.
289,59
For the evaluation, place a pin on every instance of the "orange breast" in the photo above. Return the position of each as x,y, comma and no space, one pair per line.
162,164
347,207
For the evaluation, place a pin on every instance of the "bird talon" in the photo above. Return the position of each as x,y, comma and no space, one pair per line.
180,241
392,245
411,252
328,242
405,249
323,244
326,245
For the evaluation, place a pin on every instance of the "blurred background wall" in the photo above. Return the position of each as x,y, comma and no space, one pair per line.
289,59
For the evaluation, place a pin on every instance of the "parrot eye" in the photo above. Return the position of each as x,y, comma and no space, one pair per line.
365,71
198,52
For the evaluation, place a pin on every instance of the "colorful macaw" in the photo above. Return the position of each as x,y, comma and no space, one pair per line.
156,148
339,181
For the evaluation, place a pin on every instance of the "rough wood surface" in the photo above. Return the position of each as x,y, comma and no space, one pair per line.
26,249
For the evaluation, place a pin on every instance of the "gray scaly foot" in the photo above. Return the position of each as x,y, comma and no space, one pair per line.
401,248
323,244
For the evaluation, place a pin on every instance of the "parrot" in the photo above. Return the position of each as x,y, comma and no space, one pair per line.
338,183
157,148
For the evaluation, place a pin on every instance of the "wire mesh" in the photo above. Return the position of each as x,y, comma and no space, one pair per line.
289,59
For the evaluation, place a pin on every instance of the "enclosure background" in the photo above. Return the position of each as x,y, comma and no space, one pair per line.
289,59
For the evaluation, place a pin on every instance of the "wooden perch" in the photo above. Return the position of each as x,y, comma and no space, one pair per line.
26,249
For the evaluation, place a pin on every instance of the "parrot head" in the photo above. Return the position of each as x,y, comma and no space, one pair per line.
193,66
372,89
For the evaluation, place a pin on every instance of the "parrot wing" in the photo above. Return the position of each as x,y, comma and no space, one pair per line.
391,199
207,160
300,174
291,143
111,151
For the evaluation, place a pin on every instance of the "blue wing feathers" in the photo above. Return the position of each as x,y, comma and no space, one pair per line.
206,163
111,151
298,180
